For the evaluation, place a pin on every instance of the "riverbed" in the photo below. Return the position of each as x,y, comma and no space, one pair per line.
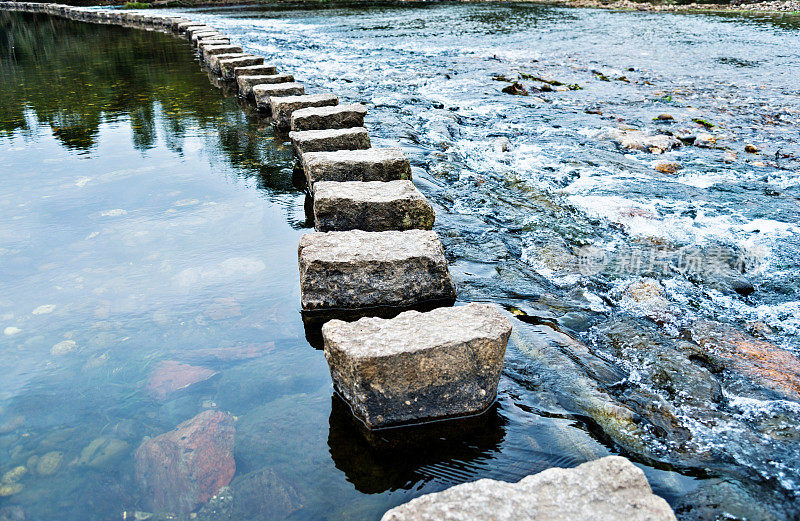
162,225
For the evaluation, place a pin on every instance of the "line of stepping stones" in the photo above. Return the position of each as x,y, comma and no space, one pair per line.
373,254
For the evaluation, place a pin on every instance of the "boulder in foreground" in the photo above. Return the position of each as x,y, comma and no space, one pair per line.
418,366
182,469
355,270
608,489
373,207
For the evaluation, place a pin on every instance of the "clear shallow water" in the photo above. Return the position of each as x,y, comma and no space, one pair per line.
164,223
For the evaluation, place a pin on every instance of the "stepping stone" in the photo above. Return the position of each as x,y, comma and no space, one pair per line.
212,35
282,108
192,29
227,66
303,141
247,82
373,207
372,164
342,272
264,92
418,367
202,44
319,118
256,70
214,59
209,51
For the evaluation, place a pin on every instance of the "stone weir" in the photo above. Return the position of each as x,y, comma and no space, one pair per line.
374,253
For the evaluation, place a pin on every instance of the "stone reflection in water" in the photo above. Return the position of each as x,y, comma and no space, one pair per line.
408,457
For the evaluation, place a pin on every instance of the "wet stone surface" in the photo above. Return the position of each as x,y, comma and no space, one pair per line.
370,206
265,92
246,82
418,366
372,164
283,107
341,116
355,269
356,138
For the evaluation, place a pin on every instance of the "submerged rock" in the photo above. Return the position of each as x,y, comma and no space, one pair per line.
10,489
15,474
103,452
264,496
610,489
418,366
49,463
762,361
169,377
181,469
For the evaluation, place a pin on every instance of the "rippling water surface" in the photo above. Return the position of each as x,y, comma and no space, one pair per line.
148,219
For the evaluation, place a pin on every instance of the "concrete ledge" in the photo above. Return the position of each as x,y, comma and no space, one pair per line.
256,70
607,489
361,270
372,164
373,207
418,366
246,82
282,108
320,118
263,93
227,66
303,141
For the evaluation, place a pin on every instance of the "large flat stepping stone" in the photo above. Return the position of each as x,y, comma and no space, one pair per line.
209,52
263,93
228,66
319,118
213,60
372,164
206,35
329,140
192,29
373,207
282,108
256,70
607,489
356,270
246,82
202,44
182,27
418,366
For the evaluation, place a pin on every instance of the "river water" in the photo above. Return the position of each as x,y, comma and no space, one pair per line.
654,295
